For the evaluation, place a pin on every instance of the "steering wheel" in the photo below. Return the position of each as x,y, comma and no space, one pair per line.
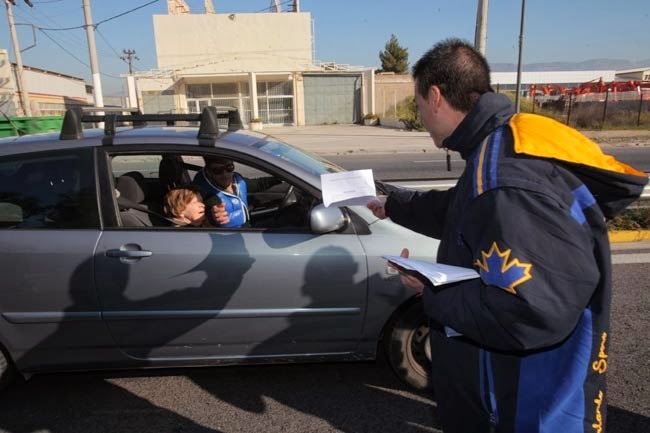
286,198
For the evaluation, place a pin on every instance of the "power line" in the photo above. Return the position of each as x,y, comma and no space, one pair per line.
45,29
284,3
101,35
64,49
102,21
39,20
126,13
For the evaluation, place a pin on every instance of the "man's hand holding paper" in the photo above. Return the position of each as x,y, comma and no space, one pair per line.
437,273
348,188
410,278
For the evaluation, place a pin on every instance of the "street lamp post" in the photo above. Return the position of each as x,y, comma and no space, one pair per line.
521,49
480,35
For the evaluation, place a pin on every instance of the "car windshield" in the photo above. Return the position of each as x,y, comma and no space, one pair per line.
306,161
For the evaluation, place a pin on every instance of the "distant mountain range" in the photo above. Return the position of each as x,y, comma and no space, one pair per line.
587,65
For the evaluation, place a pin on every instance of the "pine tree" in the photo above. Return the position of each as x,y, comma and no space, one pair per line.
394,58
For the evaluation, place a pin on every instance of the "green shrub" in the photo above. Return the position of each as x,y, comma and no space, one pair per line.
636,218
407,112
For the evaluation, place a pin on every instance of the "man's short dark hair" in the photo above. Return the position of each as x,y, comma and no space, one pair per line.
216,160
458,69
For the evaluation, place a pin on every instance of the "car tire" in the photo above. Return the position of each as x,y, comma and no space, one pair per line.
407,347
6,369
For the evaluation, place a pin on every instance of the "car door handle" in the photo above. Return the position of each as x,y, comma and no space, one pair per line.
137,254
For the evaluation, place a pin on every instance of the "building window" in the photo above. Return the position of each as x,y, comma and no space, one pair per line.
195,91
275,101
156,101
235,95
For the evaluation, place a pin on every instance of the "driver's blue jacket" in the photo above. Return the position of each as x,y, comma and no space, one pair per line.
236,203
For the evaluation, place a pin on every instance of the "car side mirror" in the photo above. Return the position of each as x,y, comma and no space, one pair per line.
327,219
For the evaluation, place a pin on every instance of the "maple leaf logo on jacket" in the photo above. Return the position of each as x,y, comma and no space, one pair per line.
497,269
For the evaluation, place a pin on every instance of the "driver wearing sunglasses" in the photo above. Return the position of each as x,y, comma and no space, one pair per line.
226,192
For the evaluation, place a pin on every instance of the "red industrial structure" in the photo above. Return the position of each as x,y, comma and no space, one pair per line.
593,86
561,98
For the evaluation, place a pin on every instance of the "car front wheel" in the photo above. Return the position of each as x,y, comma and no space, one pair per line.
407,346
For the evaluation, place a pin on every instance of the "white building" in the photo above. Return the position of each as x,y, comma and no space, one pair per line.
261,63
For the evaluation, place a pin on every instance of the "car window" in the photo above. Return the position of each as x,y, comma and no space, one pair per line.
143,180
147,165
53,190
308,162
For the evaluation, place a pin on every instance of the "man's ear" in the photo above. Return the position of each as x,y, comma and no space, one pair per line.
435,97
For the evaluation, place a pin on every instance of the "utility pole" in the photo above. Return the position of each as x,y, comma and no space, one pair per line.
129,56
24,93
94,65
521,50
480,35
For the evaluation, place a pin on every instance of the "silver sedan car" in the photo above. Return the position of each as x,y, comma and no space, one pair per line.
96,276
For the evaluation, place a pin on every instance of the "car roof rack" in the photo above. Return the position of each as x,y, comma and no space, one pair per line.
72,128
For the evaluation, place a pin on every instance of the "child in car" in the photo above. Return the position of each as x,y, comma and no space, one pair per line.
184,206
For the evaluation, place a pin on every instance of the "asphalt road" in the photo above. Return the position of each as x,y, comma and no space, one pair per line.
343,140
336,397
433,165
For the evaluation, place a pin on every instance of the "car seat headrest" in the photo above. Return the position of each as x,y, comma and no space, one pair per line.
130,189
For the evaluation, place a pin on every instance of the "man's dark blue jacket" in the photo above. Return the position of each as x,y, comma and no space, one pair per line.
528,213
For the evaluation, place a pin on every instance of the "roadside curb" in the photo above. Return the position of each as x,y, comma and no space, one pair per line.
629,235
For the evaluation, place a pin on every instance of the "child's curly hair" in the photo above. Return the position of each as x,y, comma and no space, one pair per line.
177,199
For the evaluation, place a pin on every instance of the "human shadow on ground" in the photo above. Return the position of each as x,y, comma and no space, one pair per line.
86,402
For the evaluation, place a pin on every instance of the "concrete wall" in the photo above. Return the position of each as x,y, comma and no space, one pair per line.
42,82
51,93
391,91
368,93
221,43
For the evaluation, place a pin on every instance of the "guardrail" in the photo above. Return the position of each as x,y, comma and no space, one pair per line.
448,183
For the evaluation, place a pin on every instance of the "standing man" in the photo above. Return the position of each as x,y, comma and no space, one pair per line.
523,348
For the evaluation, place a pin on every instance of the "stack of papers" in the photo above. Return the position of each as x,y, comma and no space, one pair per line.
437,273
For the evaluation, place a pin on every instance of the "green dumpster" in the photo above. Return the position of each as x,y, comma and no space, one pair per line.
29,125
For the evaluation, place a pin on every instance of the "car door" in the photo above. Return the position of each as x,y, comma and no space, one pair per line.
195,293
49,226
219,293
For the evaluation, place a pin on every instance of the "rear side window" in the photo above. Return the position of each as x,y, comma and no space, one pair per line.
48,191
